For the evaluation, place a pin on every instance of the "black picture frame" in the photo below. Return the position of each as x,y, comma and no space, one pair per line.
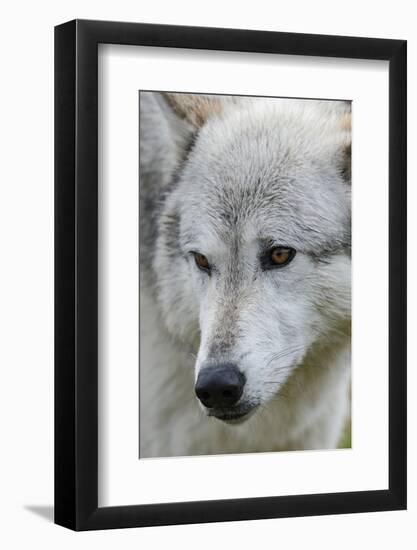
76,272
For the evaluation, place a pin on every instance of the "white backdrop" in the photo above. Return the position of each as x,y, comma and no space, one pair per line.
123,479
26,290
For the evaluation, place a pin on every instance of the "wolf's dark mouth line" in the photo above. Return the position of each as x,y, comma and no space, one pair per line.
233,416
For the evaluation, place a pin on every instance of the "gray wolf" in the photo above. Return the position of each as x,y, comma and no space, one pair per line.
245,261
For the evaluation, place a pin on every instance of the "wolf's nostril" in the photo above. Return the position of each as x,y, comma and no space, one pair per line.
220,385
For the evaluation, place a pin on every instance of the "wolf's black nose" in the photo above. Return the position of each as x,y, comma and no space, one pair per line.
220,385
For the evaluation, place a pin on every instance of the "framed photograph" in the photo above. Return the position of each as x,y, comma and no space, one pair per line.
230,251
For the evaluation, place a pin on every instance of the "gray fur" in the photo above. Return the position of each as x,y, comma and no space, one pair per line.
254,174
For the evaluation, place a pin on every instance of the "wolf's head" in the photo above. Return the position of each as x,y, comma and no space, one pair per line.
253,251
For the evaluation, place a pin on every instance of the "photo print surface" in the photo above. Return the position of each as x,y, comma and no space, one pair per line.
245,274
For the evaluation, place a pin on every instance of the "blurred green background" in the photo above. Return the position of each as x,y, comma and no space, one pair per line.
346,440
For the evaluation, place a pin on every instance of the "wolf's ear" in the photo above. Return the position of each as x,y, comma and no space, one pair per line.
346,156
192,109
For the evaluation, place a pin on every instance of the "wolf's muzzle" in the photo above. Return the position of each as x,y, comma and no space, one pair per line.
220,386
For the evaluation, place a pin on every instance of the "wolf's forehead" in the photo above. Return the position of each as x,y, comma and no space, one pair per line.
272,181
241,199
235,203
309,217
253,175
230,219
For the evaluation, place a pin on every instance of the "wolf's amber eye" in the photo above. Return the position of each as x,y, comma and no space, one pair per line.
281,256
201,261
